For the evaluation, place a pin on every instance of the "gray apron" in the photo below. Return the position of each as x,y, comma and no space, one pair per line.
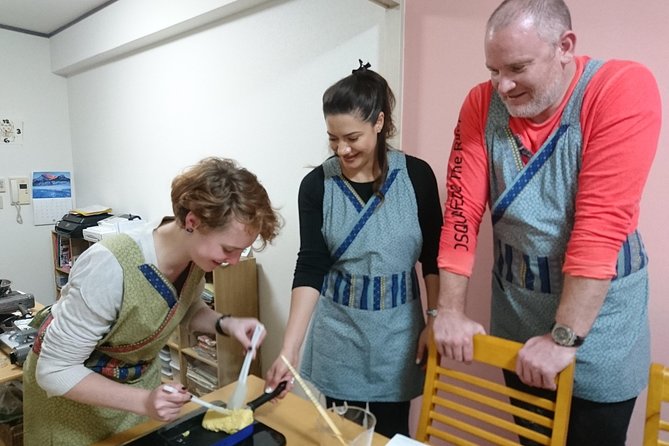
533,209
365,329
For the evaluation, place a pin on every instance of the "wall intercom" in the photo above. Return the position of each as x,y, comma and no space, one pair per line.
18,190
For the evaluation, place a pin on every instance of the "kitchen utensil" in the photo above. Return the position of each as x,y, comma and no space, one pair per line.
262,399
239,395
313,399
188,430
203,403
5,287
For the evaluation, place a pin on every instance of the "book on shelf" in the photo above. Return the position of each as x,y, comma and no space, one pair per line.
207,296
205,347
202,376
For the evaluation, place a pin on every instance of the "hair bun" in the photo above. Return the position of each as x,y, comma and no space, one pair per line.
362,68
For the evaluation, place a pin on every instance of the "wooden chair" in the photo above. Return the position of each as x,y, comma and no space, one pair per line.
658,393
463,409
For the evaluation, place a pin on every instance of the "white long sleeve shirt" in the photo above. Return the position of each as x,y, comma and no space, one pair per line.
89,305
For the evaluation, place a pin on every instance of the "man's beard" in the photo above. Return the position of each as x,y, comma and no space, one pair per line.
543,100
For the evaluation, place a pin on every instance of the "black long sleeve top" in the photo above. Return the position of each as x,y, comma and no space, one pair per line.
314,259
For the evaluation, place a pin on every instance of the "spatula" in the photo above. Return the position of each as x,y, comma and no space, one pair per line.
238,398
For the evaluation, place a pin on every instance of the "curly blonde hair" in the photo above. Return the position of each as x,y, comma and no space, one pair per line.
217,190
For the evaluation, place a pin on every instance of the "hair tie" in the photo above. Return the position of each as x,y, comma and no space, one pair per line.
362,68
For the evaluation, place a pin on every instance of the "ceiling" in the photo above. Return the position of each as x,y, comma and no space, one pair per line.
46,17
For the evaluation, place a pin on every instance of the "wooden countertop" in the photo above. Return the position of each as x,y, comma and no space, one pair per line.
294,417
8,371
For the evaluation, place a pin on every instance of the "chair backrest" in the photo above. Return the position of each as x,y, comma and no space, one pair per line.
464,409
658,393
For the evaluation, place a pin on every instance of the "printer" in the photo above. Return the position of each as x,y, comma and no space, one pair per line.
73,225
110,226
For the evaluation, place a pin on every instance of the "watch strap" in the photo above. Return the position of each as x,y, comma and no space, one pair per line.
578,341
218,327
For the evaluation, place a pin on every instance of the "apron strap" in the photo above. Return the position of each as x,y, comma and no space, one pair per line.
526,177
364,218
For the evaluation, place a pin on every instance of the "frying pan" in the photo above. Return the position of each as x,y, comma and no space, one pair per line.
188,430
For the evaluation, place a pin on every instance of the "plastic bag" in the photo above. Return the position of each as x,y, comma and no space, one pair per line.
11,401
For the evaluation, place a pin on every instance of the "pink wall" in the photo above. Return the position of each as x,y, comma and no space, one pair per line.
443,59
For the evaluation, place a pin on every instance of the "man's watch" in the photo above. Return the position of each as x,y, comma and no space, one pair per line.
565,336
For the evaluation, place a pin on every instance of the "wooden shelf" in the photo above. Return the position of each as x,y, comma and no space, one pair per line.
65,252
195,355
235,290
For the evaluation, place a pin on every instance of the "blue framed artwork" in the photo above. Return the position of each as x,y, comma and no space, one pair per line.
52,185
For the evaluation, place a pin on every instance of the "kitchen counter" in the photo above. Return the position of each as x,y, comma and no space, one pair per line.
8,371
294,417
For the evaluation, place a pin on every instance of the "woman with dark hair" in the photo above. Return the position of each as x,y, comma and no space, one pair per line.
93,369
367,215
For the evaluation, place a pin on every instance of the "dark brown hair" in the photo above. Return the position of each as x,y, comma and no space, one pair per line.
365,94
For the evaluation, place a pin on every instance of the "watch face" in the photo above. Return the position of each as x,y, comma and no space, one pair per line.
562,335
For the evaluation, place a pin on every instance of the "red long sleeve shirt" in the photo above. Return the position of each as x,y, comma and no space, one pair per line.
620,121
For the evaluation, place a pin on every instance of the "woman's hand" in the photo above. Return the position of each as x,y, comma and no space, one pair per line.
165,405
279,372
241,328
423,342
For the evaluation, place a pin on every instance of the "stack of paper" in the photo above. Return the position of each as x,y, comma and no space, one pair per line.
95,209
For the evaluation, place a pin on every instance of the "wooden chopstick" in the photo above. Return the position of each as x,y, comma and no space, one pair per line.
313,399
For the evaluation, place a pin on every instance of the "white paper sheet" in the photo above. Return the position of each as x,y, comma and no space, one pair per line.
401,440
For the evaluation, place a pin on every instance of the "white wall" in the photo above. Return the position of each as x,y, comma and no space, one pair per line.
29,91
247,87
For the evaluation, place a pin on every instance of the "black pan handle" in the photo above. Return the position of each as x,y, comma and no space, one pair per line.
262,399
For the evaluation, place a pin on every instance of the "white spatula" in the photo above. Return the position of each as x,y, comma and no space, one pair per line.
238,398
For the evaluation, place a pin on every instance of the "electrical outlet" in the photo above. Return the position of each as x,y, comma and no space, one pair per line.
2,185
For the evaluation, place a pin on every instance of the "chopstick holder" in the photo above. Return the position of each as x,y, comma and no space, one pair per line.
313,399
